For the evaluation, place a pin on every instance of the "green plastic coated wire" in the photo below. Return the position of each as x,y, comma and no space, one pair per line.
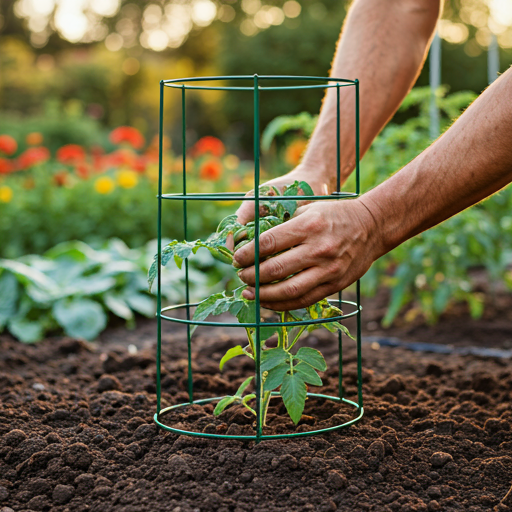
258,84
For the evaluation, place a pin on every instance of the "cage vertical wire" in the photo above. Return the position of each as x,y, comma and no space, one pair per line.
257,86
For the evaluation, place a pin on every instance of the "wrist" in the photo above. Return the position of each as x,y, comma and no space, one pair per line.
369,216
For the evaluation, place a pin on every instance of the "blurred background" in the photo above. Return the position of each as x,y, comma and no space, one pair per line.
79,96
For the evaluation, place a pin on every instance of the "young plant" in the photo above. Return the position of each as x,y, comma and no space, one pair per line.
281,366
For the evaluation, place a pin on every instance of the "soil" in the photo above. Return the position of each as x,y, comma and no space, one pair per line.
77,434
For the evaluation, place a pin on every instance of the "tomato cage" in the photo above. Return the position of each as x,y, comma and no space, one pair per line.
255,86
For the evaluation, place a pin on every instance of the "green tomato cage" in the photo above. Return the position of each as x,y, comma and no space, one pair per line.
255,85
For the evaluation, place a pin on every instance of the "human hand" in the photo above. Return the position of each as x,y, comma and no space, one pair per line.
328,245
316,180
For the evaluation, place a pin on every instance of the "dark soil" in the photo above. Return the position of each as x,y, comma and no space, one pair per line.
76,432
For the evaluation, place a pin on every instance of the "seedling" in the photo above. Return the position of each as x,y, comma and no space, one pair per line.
282,368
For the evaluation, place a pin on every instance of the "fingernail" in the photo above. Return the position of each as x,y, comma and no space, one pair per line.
248,294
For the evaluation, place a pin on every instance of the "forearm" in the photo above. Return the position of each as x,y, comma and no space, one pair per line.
383,44
471,161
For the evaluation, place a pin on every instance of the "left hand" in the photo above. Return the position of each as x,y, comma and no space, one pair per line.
328,245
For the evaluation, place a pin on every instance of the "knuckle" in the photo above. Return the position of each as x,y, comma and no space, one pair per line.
292,290
268,242
275,269
315,221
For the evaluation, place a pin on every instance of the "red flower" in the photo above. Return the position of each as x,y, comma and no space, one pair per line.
127,134
8,145
33,156
70,153
82,170
6,166
210,170
209,144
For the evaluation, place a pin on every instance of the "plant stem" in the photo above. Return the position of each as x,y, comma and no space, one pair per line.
251,341
264,406
302,329
284,332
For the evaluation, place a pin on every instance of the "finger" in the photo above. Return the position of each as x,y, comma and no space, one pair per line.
274,240
290,289
230,243
245,213
279,267
310,298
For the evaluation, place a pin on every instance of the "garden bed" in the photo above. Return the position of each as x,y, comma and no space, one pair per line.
77,432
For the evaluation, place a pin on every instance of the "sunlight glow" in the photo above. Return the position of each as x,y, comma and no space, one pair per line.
203,12
501,11
105,7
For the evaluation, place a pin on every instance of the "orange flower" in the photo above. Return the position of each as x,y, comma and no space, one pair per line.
294,151
210,170
209,144
6,166
127,134
34,139
123,157
33,156
70,153
8,145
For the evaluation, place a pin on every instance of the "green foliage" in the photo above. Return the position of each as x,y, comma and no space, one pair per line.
72,288
304,123
279,366
42,215
59,125
431,271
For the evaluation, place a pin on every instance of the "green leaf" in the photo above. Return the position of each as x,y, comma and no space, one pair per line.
294,393
243,386
118,306
308,191
225,402
247,313
229,223
214,304
313,357
80,318
230,354
308,374
29,275
336,326
273,357
27,331
141,303
275,377
9,294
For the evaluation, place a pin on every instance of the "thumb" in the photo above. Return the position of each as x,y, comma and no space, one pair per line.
245,212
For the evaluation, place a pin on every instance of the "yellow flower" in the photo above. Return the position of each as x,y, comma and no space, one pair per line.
127,179
5,194
231,162
104,185
152,172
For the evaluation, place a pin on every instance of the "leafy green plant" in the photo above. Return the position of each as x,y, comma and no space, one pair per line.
281,366
73,288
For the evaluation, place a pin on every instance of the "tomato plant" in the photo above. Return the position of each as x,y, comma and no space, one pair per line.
283,366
